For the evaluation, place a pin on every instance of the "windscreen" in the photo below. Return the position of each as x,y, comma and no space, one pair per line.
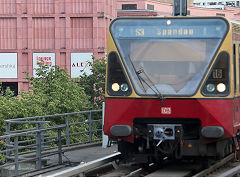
170,55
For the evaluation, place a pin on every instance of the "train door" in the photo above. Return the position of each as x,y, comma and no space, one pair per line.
236,61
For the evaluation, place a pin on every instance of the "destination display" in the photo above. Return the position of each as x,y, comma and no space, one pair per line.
174,28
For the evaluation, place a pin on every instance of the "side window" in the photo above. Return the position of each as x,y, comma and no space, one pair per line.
234,68
239,64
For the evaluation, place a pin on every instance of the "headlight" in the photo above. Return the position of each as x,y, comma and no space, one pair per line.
124,87
210,87
115,87
221,87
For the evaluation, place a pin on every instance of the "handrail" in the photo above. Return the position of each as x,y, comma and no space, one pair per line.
54,115
17,160
30,132
34,139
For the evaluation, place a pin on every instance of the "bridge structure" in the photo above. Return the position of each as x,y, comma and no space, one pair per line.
29,142
69,145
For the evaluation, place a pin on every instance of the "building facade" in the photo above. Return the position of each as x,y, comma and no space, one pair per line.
68,32
56,32
166,9
216,4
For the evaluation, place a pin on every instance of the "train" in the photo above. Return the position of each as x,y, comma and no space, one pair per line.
172,87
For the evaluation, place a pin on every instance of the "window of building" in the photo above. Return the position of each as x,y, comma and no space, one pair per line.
150,7
129,6
219,14
12,85
212,3
230,4
239,63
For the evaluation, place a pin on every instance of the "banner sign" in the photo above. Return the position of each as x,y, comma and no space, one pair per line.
81,63
8,66
44,58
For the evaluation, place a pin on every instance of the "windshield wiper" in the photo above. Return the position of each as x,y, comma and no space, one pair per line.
139,77
153,87
141,80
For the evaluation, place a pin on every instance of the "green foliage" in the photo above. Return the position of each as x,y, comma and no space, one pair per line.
59,94
94,84
53,92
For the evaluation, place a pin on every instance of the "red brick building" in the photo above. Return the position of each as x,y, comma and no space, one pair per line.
68,32
60,32
161,8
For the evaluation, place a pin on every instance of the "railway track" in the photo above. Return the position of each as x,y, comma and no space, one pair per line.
221,168
107,167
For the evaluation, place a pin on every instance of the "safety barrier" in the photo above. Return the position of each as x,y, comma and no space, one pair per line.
39,135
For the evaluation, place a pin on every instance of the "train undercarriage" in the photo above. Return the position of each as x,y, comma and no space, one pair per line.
155,139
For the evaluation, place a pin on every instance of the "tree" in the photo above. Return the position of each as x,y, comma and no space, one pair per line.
59,94
94,84
52,92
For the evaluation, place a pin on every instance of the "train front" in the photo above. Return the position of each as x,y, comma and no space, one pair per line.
168,86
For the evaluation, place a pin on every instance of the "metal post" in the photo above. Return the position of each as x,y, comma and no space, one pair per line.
38,151
59,147
174,7
181,5
67,130
8,139
40,127
16,155
104,137
90,126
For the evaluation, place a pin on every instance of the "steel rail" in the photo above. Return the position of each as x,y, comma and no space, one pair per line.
232,172
87,166
215,166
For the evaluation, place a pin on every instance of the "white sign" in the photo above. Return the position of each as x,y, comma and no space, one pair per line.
166,110
8,65
44,58
81,63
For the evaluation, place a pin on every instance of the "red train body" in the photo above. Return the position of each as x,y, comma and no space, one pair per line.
209,112
172,86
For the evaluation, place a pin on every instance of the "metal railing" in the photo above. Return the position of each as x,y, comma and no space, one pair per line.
35,135
15,149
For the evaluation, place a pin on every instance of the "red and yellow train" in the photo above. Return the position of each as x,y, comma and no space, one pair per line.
172,86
